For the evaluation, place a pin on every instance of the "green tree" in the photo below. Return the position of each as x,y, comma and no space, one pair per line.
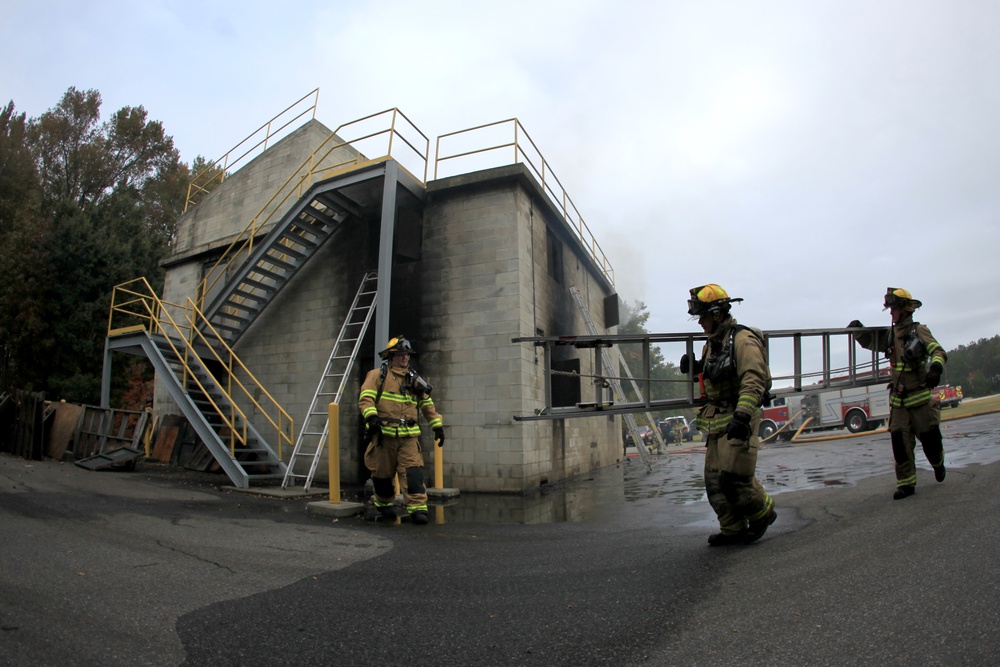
21,263
107,196
975,367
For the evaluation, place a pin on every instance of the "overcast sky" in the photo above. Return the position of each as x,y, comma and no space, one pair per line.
805,155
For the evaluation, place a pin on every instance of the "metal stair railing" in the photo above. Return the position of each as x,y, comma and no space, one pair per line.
315,427
135,308
467,146
215,418
616,386
213,174
287,247
268,264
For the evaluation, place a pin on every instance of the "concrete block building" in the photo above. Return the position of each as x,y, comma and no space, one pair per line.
459,264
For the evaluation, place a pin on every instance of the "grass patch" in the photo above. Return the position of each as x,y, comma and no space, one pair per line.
970,407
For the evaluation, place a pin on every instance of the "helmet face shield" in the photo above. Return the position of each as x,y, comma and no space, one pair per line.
696,308
396,345
899,297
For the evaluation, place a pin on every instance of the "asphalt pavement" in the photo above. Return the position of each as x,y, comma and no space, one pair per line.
162,567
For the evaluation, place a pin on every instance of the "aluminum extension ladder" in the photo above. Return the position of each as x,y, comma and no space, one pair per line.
616,386
315,428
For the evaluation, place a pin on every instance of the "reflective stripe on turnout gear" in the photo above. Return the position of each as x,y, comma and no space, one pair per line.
397,408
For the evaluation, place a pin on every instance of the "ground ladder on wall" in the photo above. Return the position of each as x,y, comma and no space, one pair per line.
616,385
314,430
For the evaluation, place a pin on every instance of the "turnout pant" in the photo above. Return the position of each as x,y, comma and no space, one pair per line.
906,426
397,456
730,482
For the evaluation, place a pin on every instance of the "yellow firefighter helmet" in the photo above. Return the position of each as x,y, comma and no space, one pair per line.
396,345
897,296
708,299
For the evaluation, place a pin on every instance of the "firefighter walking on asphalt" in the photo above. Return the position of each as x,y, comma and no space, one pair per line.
736,378
390,399
916,362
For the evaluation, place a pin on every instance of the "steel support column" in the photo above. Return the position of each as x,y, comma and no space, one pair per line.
385,239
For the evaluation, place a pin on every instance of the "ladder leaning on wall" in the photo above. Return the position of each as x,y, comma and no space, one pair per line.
315,428
616,386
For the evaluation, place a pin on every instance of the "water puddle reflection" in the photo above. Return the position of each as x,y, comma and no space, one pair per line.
676,478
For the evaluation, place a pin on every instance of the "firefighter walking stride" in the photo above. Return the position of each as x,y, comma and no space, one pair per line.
390,399
916,362
736,378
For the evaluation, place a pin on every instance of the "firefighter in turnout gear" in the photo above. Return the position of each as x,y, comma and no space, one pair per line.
733,367
390,398
916,362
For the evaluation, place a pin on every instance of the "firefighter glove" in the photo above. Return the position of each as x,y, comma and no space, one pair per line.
439,436
739,427
685,365
933,375
371,427
864,338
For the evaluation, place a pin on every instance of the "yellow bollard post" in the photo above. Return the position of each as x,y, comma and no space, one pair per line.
333,452
438,467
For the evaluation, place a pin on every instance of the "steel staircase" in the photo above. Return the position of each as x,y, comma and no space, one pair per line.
221,425
314,429
272,262
204,377
616,386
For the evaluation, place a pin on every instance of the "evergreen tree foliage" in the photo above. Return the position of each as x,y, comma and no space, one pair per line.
975,367
84,206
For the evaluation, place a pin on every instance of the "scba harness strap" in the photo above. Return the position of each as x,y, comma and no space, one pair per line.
723,365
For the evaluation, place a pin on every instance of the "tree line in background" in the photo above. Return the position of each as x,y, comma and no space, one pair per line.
84,205
975,367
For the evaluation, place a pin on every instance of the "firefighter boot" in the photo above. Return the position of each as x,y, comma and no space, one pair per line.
757,528
726,539
934,450
419,517
904,491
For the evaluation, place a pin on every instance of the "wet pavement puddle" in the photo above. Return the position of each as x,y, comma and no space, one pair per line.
676,477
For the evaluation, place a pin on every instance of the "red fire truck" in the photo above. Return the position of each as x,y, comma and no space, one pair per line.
950,397
856,409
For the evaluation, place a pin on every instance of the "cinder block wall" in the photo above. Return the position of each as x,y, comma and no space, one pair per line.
487,282
481,279
226,211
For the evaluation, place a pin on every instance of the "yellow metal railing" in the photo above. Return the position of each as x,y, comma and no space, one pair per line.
468,144
333,156
215,173
134,306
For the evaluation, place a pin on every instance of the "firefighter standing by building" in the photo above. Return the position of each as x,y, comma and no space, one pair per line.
916,362
736,378
390,399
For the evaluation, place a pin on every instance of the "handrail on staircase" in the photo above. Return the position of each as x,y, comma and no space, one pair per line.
314,168
282,423
135,306
470,142
201,183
